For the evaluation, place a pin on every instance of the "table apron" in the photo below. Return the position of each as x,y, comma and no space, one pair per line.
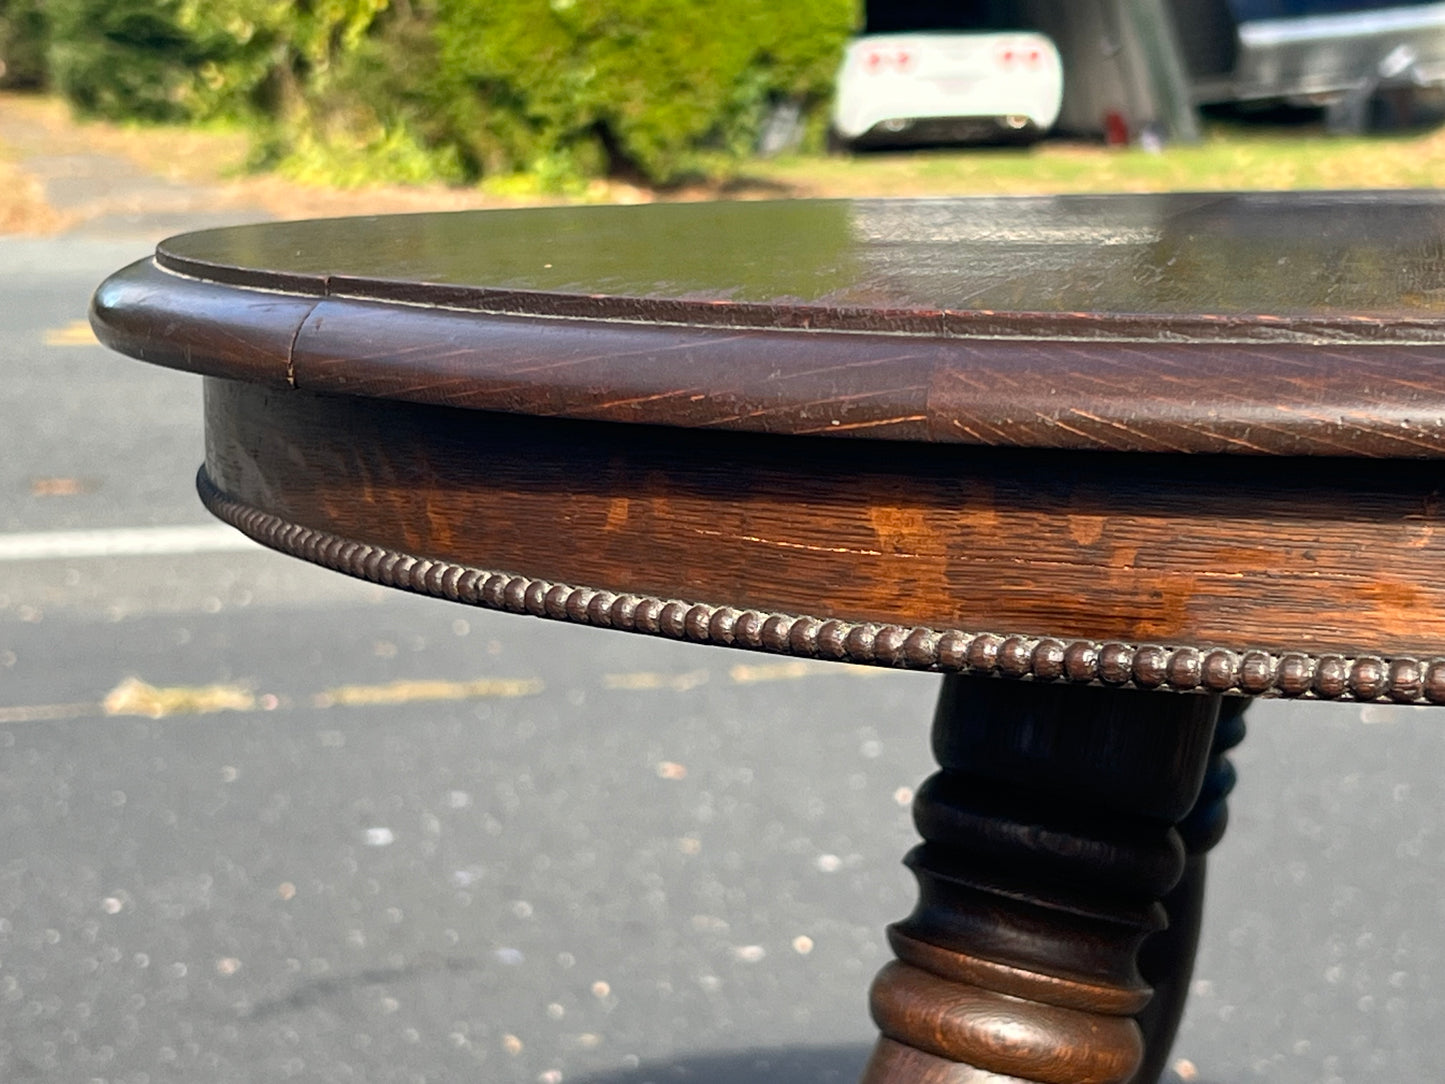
1330,560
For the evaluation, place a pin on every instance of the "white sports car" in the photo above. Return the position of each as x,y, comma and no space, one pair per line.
933,87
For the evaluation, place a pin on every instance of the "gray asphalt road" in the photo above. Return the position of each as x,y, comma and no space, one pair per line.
432,844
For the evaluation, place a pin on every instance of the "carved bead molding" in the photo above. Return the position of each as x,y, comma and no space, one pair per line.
1181,668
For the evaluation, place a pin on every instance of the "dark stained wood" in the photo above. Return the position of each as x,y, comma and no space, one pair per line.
1217,265
1049,841
1166,960
184,324
1332,556
1113,444
898,1064
1257,324
621,372
973,1026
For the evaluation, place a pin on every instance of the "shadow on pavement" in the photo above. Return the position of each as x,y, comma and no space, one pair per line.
789,1065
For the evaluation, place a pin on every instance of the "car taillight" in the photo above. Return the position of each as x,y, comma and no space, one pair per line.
1011,56
876,61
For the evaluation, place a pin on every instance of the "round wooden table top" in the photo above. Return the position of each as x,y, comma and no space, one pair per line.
1182,441
1278,323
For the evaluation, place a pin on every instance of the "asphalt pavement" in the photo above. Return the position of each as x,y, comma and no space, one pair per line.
259,822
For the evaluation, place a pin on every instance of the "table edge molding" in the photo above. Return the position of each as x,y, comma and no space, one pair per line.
1177,667
1252,398
1185,329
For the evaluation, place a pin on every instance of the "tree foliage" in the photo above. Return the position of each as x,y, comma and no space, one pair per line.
24,34
644,85
458,89
199,59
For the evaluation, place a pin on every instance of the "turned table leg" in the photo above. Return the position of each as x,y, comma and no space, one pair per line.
1167,959
1050,841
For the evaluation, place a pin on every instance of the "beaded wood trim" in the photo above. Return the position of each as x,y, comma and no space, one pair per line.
1181,668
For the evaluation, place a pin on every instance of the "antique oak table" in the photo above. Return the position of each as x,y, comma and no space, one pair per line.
1112,465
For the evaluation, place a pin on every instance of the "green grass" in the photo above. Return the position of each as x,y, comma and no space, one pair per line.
1228,158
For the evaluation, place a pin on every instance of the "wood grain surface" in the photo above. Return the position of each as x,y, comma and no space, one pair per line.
1322,556
1049,844
1166,960
1259,324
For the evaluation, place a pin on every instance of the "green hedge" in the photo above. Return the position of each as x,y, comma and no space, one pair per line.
182,60
654,86
24,34
355,90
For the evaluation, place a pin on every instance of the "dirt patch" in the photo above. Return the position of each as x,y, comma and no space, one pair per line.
42,146
34,125
22,204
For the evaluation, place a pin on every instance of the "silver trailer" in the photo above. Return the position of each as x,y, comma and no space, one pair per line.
1342,56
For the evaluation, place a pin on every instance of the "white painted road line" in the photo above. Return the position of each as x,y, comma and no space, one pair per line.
124,542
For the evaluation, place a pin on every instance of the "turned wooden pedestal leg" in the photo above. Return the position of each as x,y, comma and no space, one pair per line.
1167,958
1050,849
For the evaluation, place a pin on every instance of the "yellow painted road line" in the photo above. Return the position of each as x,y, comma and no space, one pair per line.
134,697
740,674
60,486
410,692
645,679
44,713
75,333
750,673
